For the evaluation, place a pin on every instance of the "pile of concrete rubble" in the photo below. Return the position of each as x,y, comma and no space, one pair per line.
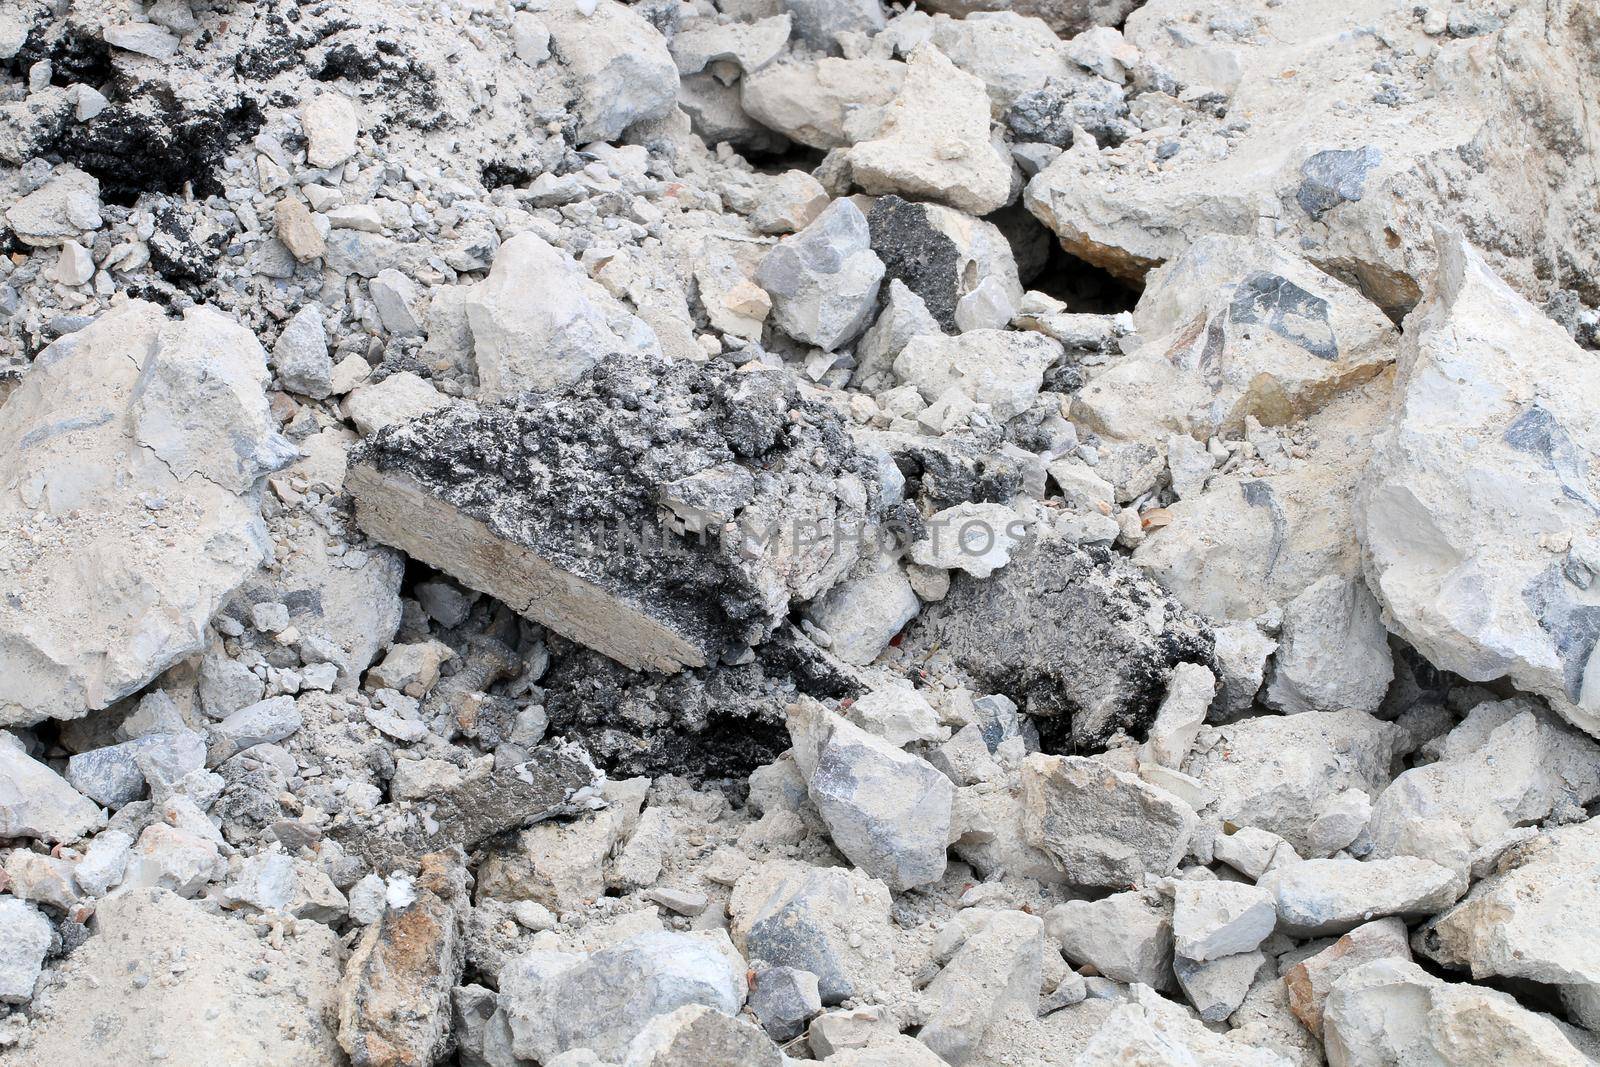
567,533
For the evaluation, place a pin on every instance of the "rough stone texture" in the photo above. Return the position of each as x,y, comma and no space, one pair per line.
1102,827
887,810
555,1001
821,24
1478,504
1071,634
538,322
940,254
578,544
1392,1011
696,1035
1236,328
1254,541
1333,652
1309,981
394,999
617,66
785,999
37,802
1178,719
809,101
823,281
933,141
1333,154
993,977
1126,936
1332,896
1065,17
480,808
25,936
1212,919
162,975
1295,775
832,922
999,368
133,412
1149,1029
1507,764
1528,919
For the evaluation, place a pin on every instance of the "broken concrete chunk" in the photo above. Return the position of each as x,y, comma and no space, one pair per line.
887,810
1236,329
1101,826
1527,919
1126,936
270,1003
809,101
1212,919
1506,765
1478,487
785,999
330,122
1392,1011
539,322
992,979
830,921
1338,194
748,45
480,808
394,999
61,209
823,281
37,802
1002,369
1333,652
942,255
555,1001
133,413
617,66
695,1035
863,613
1332,896
933,140
1296,776
1217,987
1180,716
898,714
116,774
1310,981
577,546
25,937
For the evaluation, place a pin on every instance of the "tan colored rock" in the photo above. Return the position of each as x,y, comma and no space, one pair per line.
1309,981
815,102
1237,328
1531,918
1393,1012
1354,165
136,450
394,1000
163,980
933,140
1101,826
1479,508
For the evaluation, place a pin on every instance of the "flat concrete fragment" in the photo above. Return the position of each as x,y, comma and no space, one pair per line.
470,814
553,503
